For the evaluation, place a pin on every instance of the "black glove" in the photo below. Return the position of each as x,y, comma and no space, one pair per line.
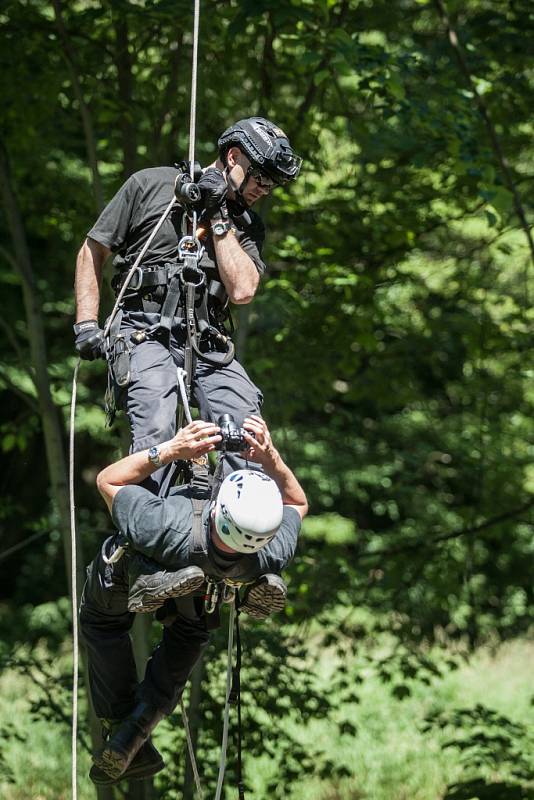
89,339
213,188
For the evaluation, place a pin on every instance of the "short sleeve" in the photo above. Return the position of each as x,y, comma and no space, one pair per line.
153,525
252,240
113,224
275,556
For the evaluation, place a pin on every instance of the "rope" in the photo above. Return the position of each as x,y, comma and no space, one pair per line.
192,118
193,113
224,746
74,588
136,265
183,391
191,750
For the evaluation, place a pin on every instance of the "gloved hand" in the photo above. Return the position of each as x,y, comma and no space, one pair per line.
213,188
89,339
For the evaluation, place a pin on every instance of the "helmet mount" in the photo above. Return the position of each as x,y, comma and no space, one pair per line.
266,147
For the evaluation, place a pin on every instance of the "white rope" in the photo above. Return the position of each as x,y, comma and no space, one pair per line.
136,265
191,750
224,746
74,589
193,114
185,402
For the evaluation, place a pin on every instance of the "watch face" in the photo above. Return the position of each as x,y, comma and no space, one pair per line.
219,228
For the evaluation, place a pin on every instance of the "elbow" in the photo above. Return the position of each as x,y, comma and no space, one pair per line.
244,291
241,298
101,483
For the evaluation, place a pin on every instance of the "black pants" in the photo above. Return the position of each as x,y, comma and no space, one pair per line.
105,627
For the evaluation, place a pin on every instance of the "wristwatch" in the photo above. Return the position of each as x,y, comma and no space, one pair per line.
221,227
154,456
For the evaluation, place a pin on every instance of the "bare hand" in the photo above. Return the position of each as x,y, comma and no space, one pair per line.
261,449
194,440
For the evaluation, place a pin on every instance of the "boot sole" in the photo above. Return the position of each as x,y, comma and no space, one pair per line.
130,774
263,600
147,600
112,763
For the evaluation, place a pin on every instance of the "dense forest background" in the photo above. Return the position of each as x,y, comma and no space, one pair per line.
392,339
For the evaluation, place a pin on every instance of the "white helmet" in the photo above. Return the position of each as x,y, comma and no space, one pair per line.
248,510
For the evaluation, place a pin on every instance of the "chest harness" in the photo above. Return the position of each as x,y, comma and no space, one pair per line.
179,292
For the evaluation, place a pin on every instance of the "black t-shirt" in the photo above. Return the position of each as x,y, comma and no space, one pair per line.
130,217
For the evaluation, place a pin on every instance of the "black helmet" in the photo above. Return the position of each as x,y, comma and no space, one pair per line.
265,145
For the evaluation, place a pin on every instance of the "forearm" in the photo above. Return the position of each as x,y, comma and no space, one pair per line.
290,489
196,439
133,469
237,270
89,268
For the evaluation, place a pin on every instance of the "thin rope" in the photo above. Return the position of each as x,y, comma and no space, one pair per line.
74,588
185,402
224,746
191,750
136,265
193,114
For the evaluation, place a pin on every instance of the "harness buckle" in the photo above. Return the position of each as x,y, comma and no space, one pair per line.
139,275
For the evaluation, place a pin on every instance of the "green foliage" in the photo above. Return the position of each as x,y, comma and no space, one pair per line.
390,337
489,744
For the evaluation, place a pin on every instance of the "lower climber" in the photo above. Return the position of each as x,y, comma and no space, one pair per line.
248,535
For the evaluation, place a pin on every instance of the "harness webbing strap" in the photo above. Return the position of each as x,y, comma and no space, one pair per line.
198,538
172,299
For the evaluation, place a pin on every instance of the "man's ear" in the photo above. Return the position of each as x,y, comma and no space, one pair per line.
232,156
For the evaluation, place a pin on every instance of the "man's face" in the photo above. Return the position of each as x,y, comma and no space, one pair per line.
258,184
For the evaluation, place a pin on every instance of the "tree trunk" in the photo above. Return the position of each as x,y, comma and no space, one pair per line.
123,63
87,122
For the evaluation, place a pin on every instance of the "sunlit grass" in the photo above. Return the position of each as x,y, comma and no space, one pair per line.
390,758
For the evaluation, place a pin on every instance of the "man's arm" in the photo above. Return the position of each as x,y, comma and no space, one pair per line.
262,451
193,441
89,267
237,270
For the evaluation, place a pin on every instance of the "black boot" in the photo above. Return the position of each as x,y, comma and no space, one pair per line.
266,596
126,740
150,585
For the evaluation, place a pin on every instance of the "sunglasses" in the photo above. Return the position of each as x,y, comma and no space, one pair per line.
261,179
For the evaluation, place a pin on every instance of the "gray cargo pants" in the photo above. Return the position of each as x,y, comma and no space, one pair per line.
151,398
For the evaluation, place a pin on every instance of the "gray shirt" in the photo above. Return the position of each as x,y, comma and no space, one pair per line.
161,529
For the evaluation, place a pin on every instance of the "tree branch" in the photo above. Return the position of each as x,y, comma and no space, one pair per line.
492,132
445,537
